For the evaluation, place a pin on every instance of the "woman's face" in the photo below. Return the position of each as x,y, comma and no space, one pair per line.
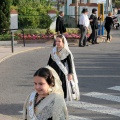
59,42
40,85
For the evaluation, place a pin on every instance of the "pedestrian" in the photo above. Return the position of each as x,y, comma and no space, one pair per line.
118,12
116,21
47,101
61,59
108,25
60,27
83,24
115,11
94,26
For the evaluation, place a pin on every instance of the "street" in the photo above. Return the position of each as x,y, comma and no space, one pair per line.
98,70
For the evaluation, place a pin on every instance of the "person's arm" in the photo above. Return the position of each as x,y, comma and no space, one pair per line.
49,61
91,18
69,61
112,21
70,69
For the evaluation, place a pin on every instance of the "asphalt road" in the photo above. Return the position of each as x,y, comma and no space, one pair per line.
98,69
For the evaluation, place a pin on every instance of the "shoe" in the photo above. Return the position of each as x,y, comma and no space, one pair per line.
96,43
81,46
108,41
93,42
86,45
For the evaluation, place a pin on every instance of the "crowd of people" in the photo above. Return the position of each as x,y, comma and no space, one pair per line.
57,82
54,84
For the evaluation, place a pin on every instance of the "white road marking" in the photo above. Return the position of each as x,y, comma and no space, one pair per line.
103,96
115,88
95,107
20,112
71,117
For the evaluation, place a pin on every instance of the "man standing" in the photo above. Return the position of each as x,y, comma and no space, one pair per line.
84,24
94,26
60,27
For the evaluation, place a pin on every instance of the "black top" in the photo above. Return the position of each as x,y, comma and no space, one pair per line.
54,65
94,22
60,25
108,21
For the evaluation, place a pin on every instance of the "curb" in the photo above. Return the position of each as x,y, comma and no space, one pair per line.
13,54
6,117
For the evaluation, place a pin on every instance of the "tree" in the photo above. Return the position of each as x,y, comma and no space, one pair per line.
4,14
15,2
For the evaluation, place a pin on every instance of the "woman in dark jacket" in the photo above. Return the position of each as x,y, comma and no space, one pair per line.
108,25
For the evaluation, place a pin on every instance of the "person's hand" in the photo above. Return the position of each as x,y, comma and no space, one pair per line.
70,77
100,16
58,32
91,20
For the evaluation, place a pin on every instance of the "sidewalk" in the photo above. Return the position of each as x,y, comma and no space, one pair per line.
6,50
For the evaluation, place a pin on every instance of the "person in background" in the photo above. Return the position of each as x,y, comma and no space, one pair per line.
116,21
62,61
118,12
83,25
47,101
94,26
108,25
60,27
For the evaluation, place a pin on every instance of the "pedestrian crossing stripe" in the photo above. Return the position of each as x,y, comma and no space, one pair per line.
95,108
103,96
117,88
71,117
20,112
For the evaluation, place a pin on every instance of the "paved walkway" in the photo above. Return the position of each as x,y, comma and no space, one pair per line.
5,53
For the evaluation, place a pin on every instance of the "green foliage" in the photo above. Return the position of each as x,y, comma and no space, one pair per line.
4,14
12,7
117,3
34,14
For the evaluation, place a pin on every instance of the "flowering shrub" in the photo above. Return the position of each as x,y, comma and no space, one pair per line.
47,36
36,34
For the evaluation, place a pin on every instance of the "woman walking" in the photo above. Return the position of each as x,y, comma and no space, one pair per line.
47,101
108,25
61,60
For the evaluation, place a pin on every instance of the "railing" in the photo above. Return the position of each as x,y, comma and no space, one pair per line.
11,33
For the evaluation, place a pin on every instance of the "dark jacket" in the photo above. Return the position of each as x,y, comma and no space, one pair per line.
60,25
94,23
108,21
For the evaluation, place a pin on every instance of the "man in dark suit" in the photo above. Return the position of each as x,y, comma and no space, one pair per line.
94,26
60,27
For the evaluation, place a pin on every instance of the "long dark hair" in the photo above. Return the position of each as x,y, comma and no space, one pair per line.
46,73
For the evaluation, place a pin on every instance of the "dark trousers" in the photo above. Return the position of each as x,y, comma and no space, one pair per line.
108,29
83,39
93,36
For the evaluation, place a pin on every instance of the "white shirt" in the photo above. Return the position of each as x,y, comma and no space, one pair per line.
84,20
